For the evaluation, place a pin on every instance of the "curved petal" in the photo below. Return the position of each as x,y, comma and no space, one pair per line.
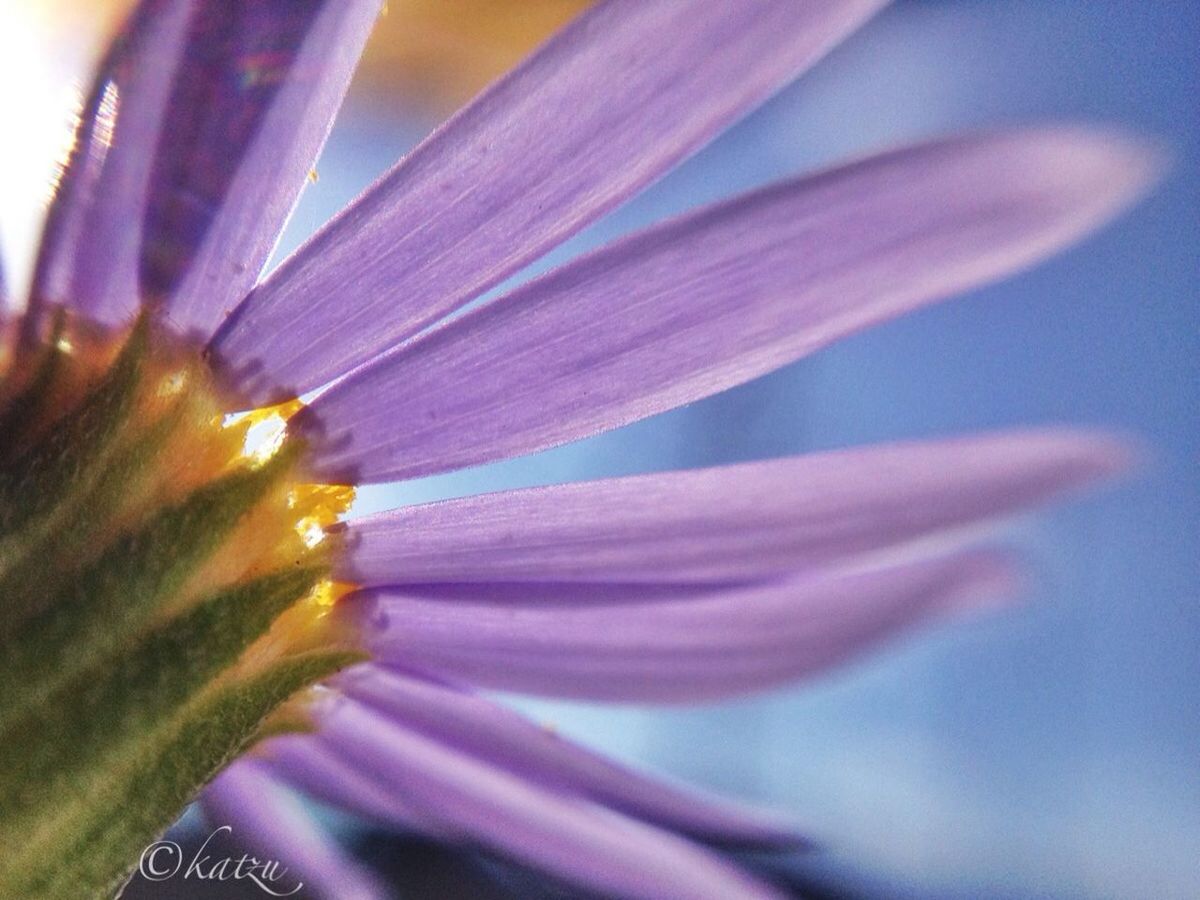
299,761
88,258
481,728
272,821
529,821
719,297
606,107
202,124
722,524
662,643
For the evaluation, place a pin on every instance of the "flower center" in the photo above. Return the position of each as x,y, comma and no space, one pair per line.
164,577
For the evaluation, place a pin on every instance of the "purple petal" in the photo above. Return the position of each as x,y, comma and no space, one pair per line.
261,82
89,253
527,820
271,821
301,762
606,107
202,124
728,523
662,643
717,298
475,725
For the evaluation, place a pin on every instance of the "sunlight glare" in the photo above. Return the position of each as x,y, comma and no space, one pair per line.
40,92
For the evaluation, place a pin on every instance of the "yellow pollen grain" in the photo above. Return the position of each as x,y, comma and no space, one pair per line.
316,507
172,384
319,505
262,430
326,593
304,626
310,532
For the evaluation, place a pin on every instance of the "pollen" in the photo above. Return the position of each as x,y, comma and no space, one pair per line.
171,384
263,430
326,593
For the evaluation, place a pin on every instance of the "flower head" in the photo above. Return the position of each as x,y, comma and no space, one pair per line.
184,586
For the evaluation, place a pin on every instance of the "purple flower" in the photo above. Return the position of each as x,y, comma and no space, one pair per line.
183,596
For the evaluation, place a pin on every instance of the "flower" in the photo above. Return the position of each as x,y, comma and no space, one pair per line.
188,603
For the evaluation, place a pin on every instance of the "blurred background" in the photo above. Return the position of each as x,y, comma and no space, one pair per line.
1048,751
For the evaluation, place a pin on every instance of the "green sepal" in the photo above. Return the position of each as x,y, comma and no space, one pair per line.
110,602
42,488
95,839
59,745
24,408
42,561
75,448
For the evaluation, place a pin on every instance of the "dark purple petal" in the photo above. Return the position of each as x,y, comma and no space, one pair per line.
90,248
529,821
273,823
201,127
479,727
602,110
733,522
662,643
261,82
722,296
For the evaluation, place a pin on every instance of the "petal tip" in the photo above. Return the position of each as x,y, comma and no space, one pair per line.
1105,165
1091,457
